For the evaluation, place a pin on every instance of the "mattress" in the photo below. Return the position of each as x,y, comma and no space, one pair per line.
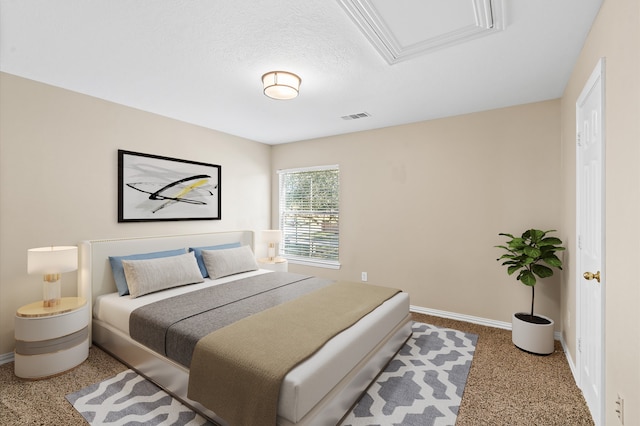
310,381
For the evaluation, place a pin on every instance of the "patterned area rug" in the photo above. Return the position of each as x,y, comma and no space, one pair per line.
422,385
130,399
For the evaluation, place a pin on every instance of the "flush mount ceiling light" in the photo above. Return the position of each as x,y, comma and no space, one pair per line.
281,84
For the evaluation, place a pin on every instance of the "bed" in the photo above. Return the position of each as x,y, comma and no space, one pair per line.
318,391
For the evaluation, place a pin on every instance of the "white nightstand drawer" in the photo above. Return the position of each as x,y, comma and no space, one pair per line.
43,328
45,365
51,340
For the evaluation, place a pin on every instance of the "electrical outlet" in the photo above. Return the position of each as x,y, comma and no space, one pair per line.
620,409
364,277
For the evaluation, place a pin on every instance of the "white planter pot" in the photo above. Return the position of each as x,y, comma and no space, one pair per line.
531,337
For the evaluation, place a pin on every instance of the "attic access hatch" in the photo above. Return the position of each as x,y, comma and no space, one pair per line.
404,29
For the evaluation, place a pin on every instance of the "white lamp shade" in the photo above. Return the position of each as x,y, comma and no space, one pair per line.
281,84
272,236
52,260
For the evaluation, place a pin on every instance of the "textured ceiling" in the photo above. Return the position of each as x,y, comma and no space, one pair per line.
200,61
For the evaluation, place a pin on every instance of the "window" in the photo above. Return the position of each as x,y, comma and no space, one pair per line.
309,215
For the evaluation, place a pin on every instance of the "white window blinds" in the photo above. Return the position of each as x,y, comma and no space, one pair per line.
309,214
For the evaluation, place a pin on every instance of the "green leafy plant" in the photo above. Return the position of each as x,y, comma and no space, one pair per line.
533,254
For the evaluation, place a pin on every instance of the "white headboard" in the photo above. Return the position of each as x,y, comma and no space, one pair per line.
94,271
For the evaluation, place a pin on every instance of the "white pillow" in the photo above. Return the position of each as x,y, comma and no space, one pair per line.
151,275
221,263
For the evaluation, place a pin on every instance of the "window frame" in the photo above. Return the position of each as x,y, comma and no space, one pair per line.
302,260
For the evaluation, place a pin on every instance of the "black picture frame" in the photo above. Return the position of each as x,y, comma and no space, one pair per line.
156,188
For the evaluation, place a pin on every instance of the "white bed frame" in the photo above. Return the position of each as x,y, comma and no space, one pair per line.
95,278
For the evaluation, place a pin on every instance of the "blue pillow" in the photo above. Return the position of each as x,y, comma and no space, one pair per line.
118,269
198,252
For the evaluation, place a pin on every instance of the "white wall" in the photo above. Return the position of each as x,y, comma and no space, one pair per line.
58,179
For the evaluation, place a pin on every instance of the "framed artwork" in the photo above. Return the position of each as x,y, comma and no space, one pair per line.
152,188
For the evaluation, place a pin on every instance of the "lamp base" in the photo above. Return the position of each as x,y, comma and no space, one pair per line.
51,303
51,291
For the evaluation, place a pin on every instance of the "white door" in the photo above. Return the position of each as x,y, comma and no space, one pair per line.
590,274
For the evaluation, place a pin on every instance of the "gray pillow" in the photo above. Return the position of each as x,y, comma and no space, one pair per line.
198,253
221,263
118,271
151,275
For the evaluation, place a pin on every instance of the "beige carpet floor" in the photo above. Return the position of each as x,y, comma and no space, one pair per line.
505,386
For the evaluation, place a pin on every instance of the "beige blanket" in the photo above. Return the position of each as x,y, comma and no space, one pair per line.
237,371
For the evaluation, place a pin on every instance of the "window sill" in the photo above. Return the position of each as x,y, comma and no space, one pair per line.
314,263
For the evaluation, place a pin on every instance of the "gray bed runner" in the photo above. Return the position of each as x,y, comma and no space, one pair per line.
173,326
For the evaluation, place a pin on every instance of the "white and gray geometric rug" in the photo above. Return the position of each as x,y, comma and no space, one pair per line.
423,383
421,386
130,399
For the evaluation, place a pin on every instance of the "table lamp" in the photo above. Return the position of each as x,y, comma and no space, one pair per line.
272,237
51,262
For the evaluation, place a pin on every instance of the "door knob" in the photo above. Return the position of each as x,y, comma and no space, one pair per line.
591,276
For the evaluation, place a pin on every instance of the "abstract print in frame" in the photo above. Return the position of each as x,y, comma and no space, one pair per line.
151,187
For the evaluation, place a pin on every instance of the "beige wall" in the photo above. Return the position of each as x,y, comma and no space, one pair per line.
615,36
421,208
58,179
422,205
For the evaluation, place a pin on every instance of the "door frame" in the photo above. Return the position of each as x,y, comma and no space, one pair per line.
597,74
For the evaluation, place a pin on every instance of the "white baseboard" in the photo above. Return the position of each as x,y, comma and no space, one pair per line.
5,358
474,320
572,366
461,317
492,323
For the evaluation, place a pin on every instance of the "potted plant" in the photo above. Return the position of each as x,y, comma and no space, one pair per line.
532,255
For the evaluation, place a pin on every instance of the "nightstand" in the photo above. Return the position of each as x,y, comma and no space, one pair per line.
52,340
278,264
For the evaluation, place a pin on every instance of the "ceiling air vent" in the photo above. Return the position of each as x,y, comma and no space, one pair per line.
356,116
